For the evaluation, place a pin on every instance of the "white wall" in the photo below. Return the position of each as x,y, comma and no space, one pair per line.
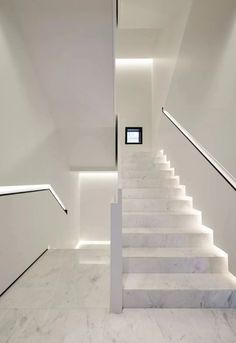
31,153
56,92
202,98
211,194
71,47
202,93
134,100
97,191
165,57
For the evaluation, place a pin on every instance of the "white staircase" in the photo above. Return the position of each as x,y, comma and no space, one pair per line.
169,259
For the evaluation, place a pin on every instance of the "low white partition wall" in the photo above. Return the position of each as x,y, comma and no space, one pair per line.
116,255
96,191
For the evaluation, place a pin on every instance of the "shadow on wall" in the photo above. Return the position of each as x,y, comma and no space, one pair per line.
30,149
202,92
211,193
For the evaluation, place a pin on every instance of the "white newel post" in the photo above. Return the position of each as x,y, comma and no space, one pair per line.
116,255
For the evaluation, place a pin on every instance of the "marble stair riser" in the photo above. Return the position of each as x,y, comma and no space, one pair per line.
168,173
142,154
161,204
145,159
160,159
206,264
179,298
153,193
150,182
161,219
167,240
146,166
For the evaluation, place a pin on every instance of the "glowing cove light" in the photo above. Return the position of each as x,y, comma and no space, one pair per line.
134,62
97,244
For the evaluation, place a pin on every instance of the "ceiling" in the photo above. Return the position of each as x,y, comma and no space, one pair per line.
141,23
147,14
132,43
70,46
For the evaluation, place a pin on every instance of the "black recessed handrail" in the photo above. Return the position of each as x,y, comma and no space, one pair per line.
13,190
116,140
210,159
117,13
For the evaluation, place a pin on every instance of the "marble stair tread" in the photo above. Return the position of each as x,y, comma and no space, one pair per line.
145,158
176,213
150,182
180,203
159,186
167,237
146,165
154,188
211,251
178,281
152,176
162,219
163,192
150,171
174,197
168,230
143,152
129,174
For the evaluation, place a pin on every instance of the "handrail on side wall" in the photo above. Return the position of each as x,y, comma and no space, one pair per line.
116,140
117,12
214,163
12,190
116,255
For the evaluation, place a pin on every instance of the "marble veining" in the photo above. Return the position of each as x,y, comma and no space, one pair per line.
132,326
65,299
62,279
169,257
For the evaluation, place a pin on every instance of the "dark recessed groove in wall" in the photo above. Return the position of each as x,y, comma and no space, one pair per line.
117,13
24,272
33,191
116,141
199,150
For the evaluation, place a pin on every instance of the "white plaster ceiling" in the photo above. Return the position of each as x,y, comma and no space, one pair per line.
147,14
133,43
141,22
70,46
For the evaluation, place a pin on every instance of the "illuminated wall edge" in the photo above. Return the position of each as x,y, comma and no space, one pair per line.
134,61
95,232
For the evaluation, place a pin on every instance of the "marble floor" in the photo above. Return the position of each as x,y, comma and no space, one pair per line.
64,298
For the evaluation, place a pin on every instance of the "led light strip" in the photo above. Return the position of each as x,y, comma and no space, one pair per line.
92,243
216,165
12,190
133,61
